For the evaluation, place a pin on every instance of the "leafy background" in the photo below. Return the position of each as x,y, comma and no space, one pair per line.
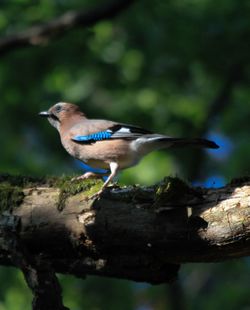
179,67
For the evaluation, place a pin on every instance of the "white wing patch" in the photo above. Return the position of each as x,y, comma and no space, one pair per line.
124,129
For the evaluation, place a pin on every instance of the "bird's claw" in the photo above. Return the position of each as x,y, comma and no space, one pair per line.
96,195
84,176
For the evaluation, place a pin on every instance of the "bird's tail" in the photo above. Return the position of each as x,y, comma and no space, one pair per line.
150,142
197,142
155,141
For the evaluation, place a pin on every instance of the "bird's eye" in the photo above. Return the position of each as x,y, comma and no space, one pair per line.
58,108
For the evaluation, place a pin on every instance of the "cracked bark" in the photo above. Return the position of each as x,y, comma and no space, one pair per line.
135,233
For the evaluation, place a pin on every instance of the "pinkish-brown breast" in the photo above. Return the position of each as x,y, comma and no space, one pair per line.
100,153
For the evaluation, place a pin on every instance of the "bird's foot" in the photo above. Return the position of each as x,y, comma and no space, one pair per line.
86,175
96,195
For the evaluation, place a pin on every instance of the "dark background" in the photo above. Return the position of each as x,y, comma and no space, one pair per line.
177,67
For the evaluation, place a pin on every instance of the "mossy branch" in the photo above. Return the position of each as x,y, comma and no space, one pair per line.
137,233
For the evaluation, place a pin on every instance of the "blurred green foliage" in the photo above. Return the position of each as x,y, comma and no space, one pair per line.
161,65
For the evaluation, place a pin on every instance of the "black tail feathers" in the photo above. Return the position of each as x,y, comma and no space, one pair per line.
182,142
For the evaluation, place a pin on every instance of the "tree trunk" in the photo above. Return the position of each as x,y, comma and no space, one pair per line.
135,233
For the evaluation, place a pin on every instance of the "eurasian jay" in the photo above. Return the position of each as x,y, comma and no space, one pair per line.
107,144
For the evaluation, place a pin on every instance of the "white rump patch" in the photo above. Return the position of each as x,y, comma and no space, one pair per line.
137,144
144,145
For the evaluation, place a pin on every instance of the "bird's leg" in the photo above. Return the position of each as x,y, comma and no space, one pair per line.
113,169
89,175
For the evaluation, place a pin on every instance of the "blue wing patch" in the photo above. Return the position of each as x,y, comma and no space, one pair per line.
98,136
117,131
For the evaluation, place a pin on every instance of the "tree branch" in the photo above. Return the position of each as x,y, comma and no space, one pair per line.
40,277
38,35
140,234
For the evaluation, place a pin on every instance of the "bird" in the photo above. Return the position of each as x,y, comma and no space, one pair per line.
106,144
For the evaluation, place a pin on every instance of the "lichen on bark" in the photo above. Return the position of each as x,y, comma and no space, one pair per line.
10,196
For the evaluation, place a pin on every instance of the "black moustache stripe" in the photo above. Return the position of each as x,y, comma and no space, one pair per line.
54,117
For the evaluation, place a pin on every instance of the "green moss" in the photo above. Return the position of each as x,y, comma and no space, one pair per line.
69,188
93,188
10,196
171,190
11,193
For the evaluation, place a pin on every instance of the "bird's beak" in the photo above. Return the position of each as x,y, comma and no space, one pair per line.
45,114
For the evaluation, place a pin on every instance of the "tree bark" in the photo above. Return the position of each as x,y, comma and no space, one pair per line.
136,233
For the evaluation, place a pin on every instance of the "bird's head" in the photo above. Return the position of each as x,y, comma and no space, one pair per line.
61,112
